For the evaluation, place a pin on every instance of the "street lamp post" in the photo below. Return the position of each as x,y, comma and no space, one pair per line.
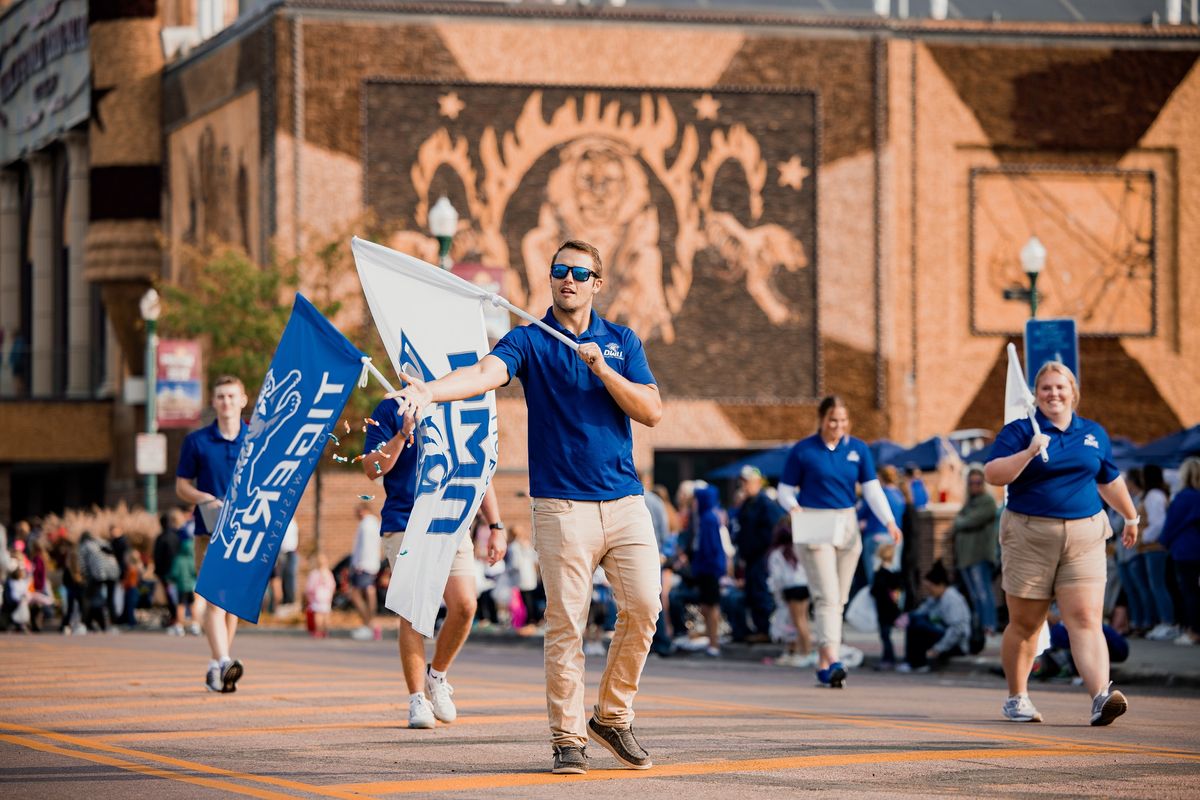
443,224
151,307
1033,260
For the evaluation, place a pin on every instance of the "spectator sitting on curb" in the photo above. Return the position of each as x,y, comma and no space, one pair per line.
940,628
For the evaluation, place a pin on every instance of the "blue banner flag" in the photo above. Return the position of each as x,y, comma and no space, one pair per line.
311,376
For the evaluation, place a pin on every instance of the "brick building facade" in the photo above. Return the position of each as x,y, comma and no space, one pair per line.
789,207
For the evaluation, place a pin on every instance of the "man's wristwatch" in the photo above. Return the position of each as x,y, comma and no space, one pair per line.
1137,520
496,526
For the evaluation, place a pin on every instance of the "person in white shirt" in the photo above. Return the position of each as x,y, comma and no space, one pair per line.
364,570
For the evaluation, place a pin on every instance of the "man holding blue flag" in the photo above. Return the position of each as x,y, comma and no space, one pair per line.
202,478
586,495
311,375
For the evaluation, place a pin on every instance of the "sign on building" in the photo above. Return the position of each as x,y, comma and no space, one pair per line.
1050,340
45,74
179,394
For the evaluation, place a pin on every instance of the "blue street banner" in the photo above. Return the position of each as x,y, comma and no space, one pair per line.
1050,340
311,376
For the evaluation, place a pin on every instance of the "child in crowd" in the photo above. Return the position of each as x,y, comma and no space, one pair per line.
18,592
789,582
183,578
886,589
523,569
319,594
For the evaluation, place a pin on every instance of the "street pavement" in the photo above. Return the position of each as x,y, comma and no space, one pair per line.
126,716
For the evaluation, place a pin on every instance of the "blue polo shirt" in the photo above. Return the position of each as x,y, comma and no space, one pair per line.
1064,487
827,478
399,483
208,458
580,441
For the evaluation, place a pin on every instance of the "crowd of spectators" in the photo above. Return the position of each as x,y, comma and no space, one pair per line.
729,574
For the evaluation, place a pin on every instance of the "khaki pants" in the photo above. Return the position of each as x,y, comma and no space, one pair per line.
830,571
571,537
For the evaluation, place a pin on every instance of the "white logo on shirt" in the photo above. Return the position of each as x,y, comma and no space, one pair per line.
853,456
613,350
1090,441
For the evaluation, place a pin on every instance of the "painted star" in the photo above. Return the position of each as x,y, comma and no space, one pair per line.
449,105
792,173
707,107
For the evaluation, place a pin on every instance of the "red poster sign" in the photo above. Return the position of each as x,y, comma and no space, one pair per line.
179,395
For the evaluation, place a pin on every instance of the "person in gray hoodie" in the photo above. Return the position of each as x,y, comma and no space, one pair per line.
940,628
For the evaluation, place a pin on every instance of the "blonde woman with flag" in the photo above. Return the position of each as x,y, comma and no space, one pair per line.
1052,538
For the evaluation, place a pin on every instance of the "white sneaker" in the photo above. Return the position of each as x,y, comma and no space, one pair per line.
420,713
1020,709
1163,632
175,630
807,660
362,633
79,629
787,660
440,692
593,649
1185,640
193,629
1108,705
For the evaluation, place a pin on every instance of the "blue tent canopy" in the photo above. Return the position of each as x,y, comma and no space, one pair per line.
769,463
926,456
1169,451
884,449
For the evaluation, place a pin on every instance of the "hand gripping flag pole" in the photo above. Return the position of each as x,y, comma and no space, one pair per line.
1018,400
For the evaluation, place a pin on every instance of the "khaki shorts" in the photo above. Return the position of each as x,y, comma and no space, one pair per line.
1042,554
464,557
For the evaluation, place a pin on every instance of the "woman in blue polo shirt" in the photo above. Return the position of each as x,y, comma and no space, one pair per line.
1052,538
822,472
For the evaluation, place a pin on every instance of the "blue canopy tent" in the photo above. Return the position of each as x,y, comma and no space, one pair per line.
769,463
1169,451
926,456
883,449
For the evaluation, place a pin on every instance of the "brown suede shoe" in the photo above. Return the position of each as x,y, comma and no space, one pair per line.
621,743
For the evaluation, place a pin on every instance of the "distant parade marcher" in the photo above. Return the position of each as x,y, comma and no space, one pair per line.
1052,539
586,511
205,470
821,474
429,691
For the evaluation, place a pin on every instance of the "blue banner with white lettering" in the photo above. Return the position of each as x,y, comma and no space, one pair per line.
311,376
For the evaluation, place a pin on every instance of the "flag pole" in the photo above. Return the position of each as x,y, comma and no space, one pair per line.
1027,399
497,300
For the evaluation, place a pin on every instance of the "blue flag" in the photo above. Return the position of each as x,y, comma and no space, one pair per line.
311,376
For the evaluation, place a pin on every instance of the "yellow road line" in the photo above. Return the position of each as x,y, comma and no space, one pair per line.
283,783
145,770
514,779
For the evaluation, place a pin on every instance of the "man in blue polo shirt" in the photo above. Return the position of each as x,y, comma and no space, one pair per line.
586,496
205,470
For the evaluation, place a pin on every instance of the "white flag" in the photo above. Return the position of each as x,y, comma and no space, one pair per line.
1019,402
431,323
